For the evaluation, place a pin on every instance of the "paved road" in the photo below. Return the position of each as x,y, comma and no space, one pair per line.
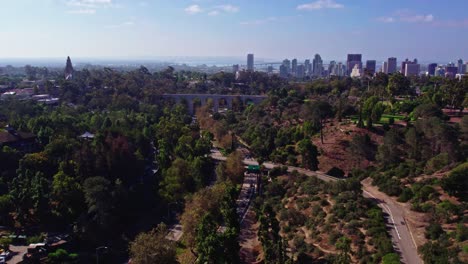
249,186
215,154
401,235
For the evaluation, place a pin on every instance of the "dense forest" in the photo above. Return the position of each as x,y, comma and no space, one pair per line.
145,160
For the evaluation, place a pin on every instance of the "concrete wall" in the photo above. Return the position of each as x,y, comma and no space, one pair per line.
190,99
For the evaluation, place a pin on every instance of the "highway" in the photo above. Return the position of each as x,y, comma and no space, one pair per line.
402,237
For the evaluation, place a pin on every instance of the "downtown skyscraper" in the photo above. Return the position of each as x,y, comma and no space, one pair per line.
317,66
352,60
250,62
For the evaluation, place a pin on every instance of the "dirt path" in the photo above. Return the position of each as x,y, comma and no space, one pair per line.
250,250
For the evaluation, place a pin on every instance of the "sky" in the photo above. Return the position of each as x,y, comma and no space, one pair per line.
274,29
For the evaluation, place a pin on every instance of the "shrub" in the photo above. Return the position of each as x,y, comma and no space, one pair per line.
391,258
434,231
456,183
406,195
436,163
461,233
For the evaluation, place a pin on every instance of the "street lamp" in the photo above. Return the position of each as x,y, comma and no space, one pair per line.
98,250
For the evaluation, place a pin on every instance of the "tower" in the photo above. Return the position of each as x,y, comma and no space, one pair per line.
250,62
68,69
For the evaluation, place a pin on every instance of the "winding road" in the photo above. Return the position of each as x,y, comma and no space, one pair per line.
402,237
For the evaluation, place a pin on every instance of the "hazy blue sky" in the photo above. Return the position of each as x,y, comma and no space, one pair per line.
426,29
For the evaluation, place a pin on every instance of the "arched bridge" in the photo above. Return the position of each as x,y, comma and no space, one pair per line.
217,98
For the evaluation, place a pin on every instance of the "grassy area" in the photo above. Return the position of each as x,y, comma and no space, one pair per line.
383,120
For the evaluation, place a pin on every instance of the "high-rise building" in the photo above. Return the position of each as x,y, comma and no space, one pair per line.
332,68
287,64
235,68
460,66
300,72
317,65
451,71
391,65
341,69
431,69
283,71
405,63
412,69
466,68
384,67
294,67
250,62
370,66
352,60
308,67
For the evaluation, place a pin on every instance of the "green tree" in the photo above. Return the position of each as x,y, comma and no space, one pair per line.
456,183
98,197
177,181
391,258
317,112
235,167
153,247
309,154
397,84
208,241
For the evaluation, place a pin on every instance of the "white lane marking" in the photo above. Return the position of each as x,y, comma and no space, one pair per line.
411,233
386,208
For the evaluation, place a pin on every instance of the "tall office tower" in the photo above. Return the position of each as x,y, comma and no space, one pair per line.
460,66
300,72
451,71
283,71
235,68
412,69
294,67
392,65
341,69
407,62
431,69
466,68
384,67
287,64
307,67
332,68
370,66
250,62
317,65
352,60
403,65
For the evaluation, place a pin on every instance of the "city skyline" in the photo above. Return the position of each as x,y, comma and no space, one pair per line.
140,29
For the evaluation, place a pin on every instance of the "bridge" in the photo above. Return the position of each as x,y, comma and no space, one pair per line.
190,100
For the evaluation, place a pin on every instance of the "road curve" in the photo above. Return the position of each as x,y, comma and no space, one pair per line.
402,237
